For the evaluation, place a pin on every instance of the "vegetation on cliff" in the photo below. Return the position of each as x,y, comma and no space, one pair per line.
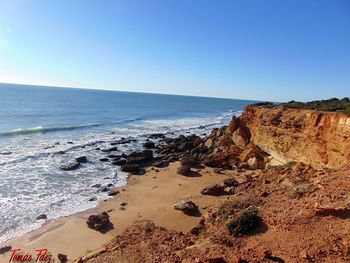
333,104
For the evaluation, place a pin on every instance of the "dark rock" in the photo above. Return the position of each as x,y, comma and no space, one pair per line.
113,192
112,149
41,217
123,204
188,161
104,159
105,189
187,207
149,144
70,142
214,190
70,166
81,159
130,168
114,156
5,249
96,186
157,136
184,170
62,258
140,157
92,199
230,182
161,163
119,162
98,222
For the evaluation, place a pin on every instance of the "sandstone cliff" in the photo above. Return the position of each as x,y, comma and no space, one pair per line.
320,139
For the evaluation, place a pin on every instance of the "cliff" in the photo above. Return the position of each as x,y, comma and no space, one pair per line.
320,139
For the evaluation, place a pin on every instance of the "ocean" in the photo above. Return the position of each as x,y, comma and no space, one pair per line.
42,128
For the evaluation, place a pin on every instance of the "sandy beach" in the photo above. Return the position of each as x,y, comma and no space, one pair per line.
150,196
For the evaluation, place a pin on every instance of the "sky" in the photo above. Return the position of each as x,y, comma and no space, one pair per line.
249,49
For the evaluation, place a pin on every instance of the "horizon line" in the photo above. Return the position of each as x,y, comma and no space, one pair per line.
141,92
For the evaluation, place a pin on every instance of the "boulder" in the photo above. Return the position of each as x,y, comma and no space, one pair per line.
230,182
140,157
81,159
149,144
98,222
161,163
214,190
112,149
130,168
188,161
119,162
70,166
187,207
184,170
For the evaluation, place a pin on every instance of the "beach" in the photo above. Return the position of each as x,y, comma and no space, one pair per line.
150,196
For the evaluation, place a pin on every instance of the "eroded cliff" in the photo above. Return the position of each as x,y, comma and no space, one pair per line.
320,139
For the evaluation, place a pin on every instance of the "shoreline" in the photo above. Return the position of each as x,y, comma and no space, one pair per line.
71,236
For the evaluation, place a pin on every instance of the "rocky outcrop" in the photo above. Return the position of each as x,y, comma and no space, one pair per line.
320,139
99,222
187,207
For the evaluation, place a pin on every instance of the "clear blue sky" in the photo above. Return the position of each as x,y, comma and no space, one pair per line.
263,49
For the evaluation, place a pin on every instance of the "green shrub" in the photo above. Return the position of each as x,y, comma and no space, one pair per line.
226,209
245,222
332,104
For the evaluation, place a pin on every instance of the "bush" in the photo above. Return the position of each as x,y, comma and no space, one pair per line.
226,209
332,104
245,222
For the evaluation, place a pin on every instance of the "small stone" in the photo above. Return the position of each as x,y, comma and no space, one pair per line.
41,217
62,258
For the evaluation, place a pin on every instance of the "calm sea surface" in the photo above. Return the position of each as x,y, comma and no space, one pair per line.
43,127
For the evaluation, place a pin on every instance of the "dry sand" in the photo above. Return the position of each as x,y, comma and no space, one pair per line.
150,196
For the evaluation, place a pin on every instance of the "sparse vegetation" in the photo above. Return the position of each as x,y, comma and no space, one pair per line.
334,104
281,167
245,222
226,209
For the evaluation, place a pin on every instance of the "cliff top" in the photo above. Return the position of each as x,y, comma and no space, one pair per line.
332,105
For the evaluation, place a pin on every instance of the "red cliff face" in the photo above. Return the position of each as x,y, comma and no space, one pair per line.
320,139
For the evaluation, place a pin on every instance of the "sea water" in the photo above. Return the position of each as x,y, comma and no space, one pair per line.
42,128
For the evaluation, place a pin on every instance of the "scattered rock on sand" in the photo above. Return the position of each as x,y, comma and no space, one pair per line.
215,190
184,170
5,249
113,192
161,163
62,258
187,207
98,222
188,161
231,182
